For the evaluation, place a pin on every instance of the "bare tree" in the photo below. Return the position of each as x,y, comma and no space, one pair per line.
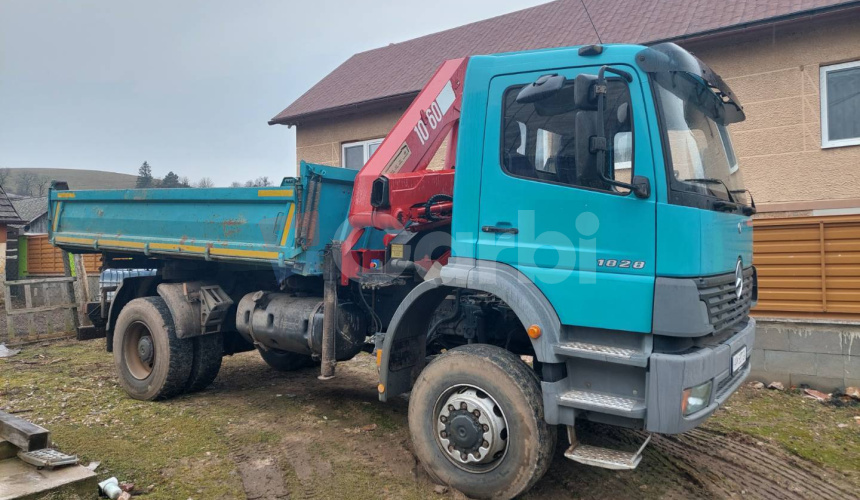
184,181
4,174
206,182
259,182
26,183
42,182
235,184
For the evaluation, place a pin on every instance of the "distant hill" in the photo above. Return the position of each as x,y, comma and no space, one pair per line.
17,180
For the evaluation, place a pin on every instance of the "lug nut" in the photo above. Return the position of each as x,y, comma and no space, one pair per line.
463,456
445,434
450,407
443,418
463,406
485,444
477,456
486,427
450,448
476,413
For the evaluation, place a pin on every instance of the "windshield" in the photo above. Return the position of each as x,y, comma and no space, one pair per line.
703,160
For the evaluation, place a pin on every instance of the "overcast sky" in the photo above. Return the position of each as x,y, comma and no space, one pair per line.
186,85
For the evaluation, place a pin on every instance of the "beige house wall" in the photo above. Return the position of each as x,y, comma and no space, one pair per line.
775,74
321,141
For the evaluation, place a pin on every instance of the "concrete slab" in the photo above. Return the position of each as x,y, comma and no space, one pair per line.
20,481
7,450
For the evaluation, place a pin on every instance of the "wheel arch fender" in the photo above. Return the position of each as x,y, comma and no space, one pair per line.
128,290
412,316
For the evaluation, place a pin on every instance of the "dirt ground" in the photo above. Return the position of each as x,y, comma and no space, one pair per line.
259,434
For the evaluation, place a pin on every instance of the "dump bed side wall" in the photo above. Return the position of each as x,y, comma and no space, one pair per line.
241,224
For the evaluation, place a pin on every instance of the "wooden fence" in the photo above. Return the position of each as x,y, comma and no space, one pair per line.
808,266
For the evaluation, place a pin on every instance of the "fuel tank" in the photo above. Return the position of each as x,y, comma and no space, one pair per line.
289,323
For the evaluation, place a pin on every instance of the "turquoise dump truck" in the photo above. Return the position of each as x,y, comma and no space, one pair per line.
581,251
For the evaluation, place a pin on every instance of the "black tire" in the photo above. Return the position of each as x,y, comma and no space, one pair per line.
286,361
499,380
208,351
160,372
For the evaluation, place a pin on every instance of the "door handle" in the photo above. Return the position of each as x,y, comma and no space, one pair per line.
502,230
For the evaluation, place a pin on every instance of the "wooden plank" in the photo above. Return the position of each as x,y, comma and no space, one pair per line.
785,247
786,234
790,295
796,259
18,312
28,303
23,434
41,281
70,291
811,282
788,306
765,270
10,322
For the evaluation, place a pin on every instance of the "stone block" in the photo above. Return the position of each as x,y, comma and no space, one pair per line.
830,365
757,359
771,337
790,362
851,342
852,367
815,340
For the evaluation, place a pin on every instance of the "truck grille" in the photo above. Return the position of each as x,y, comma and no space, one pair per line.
725,309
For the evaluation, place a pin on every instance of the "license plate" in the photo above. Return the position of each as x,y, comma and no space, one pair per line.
739,359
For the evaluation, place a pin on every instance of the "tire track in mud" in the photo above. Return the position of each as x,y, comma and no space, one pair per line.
719,465
273,485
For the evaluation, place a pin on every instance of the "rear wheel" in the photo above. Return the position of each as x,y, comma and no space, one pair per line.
208,351
477,425
152,363
286,361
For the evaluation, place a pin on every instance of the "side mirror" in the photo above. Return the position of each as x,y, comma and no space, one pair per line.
542,88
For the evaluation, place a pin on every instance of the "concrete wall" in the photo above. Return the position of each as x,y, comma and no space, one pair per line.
775,74
823,356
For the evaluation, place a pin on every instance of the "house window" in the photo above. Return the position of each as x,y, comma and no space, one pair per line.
840,105
355,154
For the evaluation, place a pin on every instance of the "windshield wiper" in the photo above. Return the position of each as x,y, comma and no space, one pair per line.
732,204
711,180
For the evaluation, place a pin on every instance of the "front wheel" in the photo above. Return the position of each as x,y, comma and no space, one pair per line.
477,424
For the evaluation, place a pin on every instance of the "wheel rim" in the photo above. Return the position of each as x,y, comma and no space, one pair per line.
471,428
138,350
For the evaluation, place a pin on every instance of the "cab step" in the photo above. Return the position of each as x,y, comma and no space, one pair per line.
612,354
605,458
603,403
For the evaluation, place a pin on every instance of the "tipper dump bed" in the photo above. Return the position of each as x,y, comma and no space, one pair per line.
285,226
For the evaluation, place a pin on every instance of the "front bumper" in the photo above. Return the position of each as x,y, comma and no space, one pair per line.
670,374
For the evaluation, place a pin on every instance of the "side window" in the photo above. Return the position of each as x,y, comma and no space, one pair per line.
355,154
539,139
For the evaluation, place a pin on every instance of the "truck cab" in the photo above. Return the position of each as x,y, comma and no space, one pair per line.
584,253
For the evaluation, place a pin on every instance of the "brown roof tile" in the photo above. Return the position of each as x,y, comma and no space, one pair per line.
8,215
403,68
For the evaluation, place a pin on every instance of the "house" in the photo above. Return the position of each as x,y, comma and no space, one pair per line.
8,216
795,66
29,247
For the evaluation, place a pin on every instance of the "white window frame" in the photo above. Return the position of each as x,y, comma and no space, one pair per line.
367,144
822,85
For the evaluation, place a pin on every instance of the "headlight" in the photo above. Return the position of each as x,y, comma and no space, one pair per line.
696,398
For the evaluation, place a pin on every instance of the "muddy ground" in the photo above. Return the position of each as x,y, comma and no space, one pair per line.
260,434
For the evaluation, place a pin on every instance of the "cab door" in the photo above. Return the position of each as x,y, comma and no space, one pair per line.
588,246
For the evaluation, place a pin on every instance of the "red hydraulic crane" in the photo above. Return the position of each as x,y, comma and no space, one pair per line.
395,190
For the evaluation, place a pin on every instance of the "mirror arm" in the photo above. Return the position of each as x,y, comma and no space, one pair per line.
640,189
